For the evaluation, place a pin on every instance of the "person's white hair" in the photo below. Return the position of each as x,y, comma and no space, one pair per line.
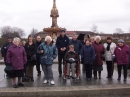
16,39
97,37
48,37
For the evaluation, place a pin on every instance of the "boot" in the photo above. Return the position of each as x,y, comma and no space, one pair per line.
32,79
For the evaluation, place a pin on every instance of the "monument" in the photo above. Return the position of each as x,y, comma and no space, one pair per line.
54,30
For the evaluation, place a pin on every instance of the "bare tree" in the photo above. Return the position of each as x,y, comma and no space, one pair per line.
94,28
14,32
34,32
118,32
19,31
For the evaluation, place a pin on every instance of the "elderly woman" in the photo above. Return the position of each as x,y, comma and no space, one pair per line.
109,53
122,58
48,52
71,58
99,51
16,56
30,49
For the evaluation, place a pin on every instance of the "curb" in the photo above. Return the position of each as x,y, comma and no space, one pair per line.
74,91
2,63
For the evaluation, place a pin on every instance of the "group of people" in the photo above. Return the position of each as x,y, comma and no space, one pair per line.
91,52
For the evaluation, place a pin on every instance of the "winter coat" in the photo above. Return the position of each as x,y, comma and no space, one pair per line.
88,54
30,50
49,54
129,55
70,54
108,54
4,49
16,56
77,45
62,42
99,51
122,54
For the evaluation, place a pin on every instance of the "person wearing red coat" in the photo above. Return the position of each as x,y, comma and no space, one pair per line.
99,51
122,58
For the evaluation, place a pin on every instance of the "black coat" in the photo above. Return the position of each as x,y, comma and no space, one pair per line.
30,51
62,42
37,45
4,49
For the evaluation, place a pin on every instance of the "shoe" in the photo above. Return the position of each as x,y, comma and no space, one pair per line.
15,86
68,77
60,75
45,81
88,79
39,74
52,82
27,79
95,77
119,78
125,79
64,77
32,79
77,77
20,84
24,79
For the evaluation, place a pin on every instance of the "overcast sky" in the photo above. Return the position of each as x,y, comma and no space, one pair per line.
74,14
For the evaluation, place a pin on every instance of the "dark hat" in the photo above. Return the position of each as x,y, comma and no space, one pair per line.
62,30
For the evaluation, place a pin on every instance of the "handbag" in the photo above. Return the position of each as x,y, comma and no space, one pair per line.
33,57
9,69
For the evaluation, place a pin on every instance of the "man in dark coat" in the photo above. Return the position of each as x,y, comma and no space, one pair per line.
5,48
77,44
61,44
38,42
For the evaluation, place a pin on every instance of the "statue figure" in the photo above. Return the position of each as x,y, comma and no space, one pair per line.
54,14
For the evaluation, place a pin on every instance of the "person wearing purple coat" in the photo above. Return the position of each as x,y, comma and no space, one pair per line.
122,58
16,56
99,51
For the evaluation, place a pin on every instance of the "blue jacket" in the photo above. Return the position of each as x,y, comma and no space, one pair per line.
49,54
77,45
62,42
88,54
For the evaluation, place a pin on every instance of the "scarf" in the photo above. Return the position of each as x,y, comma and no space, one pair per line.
108,46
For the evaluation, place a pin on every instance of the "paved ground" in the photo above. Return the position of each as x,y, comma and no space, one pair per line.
6,84
59,81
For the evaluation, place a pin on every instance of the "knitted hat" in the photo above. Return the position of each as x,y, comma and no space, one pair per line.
120,41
